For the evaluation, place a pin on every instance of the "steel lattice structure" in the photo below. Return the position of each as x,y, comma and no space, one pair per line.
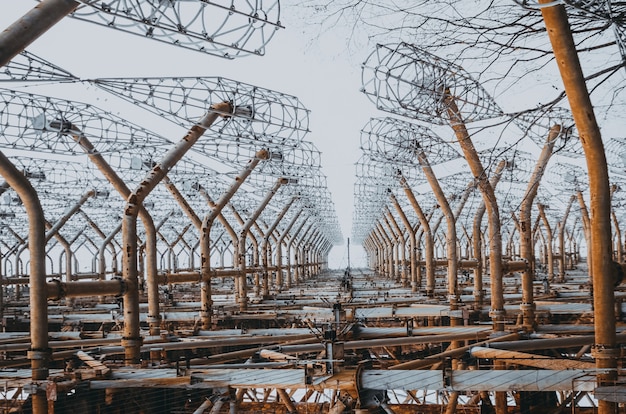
226,29
405,80
260,115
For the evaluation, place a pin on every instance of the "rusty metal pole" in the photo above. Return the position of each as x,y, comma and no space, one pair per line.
154,313
289,244
279,251
402,239
206,311
265,248
429,253
243,233
15,38
132,339
606,350
39,352
525,229
394,260
378,248
549,241
451,239
477,240
497,311
387,250
412,244
107,242
619,251
255,247
561,230
299,256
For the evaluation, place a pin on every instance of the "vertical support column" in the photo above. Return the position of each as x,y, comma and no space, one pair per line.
243,297
265,244
289,244
297,255
606,350
451,239
206,307
497,311
412,244
400,261
39,352
132,339
429,254
279,250
31,26
561,229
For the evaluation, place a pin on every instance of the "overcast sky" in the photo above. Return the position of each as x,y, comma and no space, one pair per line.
319,70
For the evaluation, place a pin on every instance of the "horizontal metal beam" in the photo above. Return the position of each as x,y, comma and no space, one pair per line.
407,380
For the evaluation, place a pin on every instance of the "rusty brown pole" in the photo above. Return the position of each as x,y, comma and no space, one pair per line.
39,352
497,311
206,311
289,279
477,239
561,230
265,245
549,240
243,233
392,238
387,249
619,251
606,350
402,259
31,26
154,313
525,228
412,244
429,254
451,239
132,339
279,251
586,226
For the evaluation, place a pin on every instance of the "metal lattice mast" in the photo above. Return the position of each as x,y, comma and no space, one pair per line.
411,82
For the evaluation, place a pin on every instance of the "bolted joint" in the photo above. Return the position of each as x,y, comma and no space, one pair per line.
223,109
123,286
599,351
39,354
128,342
497,313
262,154
526,307
153,320
58,292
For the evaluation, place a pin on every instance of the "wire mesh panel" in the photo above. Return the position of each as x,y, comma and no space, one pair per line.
616,156
406,80
228,29
40,123
28,67
537,124
402,142
258,115
568,177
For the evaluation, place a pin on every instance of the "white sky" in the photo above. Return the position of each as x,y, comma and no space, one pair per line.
318,70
